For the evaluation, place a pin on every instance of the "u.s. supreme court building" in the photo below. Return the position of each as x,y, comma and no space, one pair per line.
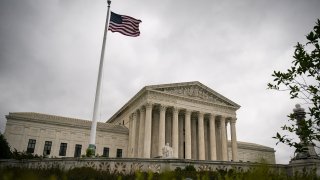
194,119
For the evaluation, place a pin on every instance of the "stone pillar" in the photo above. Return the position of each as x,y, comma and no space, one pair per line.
207,138
41,142
133,134
141,132
175,130
181,137
188,134
194,141
213,146
218,140
136,142
162,129
147,131
202,153
234,140
130,149
224,145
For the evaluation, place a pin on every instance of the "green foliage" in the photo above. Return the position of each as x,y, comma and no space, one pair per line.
302,80
24,155
190,168
261,172
90,152
5,152
12,173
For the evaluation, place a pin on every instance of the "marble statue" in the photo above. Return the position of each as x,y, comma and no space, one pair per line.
167,151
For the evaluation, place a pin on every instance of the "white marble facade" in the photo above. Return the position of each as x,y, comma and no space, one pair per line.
24,126
194,119
191,117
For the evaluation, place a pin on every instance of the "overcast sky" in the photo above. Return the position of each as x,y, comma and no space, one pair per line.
50,50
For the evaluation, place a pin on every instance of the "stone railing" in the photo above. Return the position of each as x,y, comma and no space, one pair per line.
131,165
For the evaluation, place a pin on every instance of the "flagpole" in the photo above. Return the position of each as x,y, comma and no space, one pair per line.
93,131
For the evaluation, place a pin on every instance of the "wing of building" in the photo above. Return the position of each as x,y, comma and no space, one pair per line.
190,117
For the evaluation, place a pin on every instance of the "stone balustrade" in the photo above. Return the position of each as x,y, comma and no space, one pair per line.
131,165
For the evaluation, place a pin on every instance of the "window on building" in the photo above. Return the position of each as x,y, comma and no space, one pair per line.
47,148
77,150
63,149
119,152
31,146
105,152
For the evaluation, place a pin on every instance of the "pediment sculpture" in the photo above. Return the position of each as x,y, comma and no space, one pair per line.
194,92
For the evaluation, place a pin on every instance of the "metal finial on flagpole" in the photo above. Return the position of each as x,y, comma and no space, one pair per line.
92,142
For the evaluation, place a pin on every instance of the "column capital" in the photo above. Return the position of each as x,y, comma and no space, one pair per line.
149,105
163,107
212,115
233,120
188,111
223,116
175,109
223,119
201,114
134,114
142,109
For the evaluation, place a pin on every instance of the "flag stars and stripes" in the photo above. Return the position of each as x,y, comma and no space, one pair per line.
125,25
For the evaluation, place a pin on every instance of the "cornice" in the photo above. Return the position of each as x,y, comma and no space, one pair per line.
65,122
252,146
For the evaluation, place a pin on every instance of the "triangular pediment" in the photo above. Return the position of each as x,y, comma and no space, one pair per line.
194,90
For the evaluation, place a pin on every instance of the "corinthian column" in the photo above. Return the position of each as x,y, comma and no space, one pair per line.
147,131
141,132
175,135
213,148
234,140
202,153
130,149
133,134
224,147
162,129
188,134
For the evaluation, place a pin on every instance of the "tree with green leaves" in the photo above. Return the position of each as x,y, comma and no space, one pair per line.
302,81
5,152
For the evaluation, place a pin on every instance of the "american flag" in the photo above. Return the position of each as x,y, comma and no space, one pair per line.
125,25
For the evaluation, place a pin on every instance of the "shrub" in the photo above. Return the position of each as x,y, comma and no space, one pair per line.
260,172
5,152
190,168
90,152
23,155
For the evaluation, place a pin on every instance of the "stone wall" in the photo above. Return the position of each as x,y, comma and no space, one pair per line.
131,165
24,126
250,152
